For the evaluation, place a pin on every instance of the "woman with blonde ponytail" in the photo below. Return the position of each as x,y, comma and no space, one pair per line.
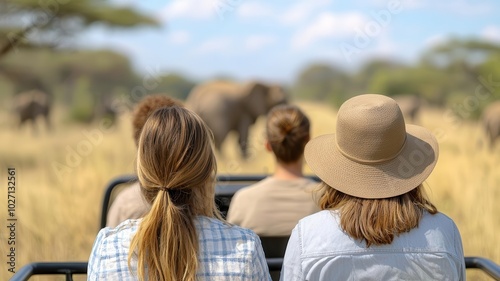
183,237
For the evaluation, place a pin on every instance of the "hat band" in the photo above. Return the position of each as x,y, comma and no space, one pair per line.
364,161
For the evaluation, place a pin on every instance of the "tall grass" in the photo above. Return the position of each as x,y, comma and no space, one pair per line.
58,212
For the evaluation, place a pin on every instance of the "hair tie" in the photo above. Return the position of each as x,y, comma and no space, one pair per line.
172,191
177,195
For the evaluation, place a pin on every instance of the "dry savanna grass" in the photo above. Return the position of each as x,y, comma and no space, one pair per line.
61,177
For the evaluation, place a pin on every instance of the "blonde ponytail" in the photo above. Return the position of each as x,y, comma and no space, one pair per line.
166,232
176,168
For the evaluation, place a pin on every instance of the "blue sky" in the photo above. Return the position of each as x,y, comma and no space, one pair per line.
275,40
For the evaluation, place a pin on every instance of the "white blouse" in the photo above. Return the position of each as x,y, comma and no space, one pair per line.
319,249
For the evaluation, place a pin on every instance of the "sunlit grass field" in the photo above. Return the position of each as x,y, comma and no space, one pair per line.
61,177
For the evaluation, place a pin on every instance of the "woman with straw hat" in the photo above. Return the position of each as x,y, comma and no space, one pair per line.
377,223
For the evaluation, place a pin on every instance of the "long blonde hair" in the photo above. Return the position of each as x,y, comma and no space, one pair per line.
176,168
376,221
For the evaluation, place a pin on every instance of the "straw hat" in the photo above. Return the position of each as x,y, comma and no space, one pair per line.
373,154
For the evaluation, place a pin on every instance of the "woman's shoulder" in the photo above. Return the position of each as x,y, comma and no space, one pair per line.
437,219
114,240
320,216
322,221
122,231
222,229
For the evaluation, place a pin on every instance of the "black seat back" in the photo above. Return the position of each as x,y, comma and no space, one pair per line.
274,246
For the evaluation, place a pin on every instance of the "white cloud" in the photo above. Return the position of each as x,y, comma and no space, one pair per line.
385,47
400,4
191,9
301,11
293,14
380,45
415,4
457,7
179,37
461,7
434,41
328,25
257,42
491,33
254,10
215,45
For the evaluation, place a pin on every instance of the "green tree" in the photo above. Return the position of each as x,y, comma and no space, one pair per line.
469,65
321,82
85,82
489,73
375,75
175,85
44,23
106,70
83,104
427,83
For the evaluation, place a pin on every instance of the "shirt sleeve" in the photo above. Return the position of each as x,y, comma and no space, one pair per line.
113,217
260,269
95,260
234,214
460,252
292,267
128,204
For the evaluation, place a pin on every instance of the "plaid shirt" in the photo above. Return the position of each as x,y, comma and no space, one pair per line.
225,253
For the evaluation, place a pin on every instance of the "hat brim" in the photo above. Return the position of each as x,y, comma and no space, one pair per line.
394,177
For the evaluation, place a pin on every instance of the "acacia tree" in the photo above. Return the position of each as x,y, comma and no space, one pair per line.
44,23
471,67
34,28
322,82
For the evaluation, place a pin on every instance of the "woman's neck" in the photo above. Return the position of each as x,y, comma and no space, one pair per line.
288,171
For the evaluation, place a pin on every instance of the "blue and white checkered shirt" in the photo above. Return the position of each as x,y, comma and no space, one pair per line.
225,253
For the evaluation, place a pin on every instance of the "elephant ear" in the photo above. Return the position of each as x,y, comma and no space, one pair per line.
277,96
256,99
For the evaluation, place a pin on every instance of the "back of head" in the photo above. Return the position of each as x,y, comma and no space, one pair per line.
176,168
288,131
175,152
147,106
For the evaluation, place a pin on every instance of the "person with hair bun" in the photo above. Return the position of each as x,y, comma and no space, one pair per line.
286,196
182,237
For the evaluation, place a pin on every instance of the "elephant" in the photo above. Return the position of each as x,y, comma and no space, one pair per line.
410,106
106,112
230,106
491,122
31,104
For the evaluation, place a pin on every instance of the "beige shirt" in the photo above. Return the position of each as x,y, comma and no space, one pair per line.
272,207
128,204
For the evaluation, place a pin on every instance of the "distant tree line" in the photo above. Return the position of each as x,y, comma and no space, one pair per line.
84,81
458,73
453,74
